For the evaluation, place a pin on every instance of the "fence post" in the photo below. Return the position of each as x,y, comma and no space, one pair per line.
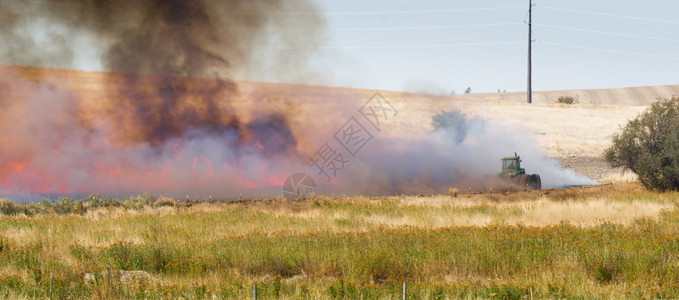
254,291
405,290
51,283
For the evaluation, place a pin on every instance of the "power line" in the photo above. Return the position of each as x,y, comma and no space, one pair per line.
422,46
409,11
343,29
395,46
610,51
609,33
379,28
646,2
424,27
318,12
377,12
610,15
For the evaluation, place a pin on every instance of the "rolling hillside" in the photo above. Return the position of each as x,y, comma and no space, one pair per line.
575,134
631,96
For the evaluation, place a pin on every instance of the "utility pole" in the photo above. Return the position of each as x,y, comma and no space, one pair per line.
530,43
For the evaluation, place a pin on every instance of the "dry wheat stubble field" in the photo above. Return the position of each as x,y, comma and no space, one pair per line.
610,241
575,134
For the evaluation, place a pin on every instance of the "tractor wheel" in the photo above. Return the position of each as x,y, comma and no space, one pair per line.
524,180
535,182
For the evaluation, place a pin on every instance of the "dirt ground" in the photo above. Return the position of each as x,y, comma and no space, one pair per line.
596,168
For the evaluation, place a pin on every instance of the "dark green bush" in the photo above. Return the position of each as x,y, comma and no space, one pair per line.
649,146
66,205
8,208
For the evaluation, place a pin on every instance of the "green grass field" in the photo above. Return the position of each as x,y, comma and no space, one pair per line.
603,242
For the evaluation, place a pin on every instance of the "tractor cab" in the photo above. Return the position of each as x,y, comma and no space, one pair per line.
511,166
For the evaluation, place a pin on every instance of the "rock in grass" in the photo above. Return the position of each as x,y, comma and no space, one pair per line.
121,276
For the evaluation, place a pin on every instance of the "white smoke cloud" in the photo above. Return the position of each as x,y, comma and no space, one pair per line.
462,152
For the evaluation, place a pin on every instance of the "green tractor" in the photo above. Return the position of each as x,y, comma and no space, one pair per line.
512,171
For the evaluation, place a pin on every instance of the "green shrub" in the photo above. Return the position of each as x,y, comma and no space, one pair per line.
5,244
8,208
66,205
649,146
566,100
604,274
139,202
121,256
164,201
453,192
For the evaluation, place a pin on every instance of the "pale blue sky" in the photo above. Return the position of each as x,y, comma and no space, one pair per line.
442,46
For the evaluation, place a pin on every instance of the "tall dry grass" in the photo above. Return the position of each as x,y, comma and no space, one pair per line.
605,242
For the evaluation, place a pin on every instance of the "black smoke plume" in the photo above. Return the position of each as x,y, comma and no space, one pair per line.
167,105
